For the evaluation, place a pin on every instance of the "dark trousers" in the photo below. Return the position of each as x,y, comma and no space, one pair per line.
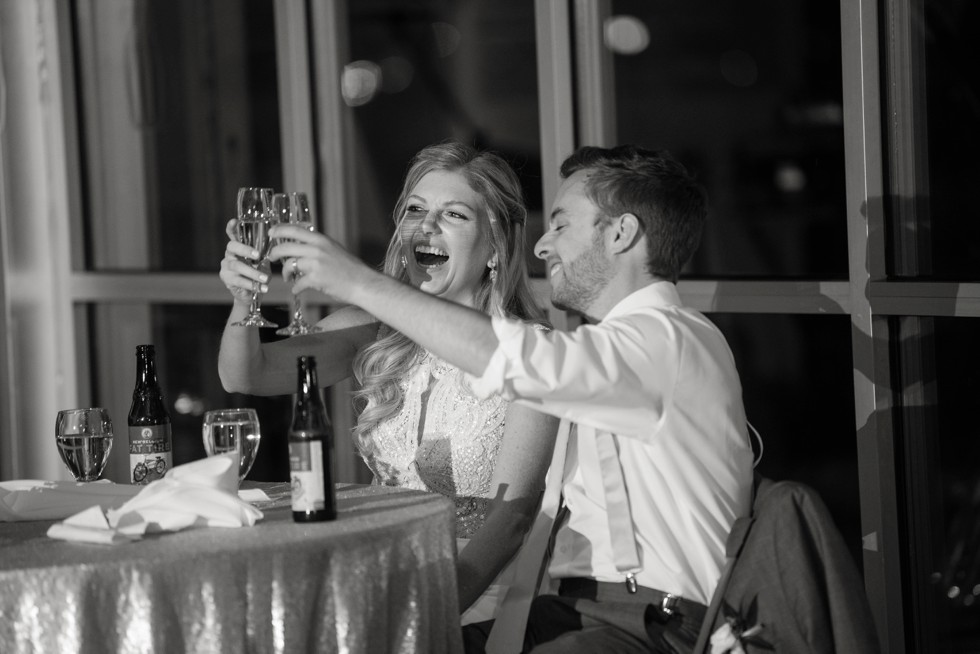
475,637
591,616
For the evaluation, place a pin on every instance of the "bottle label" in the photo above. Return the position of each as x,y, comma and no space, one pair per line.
150,455
306,476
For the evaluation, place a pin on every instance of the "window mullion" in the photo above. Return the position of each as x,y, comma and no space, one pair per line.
870,342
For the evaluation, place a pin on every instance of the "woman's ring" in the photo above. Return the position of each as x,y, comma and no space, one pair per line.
296,272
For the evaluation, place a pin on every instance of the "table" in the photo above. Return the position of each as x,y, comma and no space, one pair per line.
381,578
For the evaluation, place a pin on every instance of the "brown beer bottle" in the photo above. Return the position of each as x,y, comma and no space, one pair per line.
311,450
150,443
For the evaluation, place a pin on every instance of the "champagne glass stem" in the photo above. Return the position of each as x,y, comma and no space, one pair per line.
297,309
297,325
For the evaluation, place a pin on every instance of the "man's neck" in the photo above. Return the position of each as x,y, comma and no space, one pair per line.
619,287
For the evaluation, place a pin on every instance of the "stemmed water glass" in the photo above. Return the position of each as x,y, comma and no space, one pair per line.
232,430
84,438
295,210
254,220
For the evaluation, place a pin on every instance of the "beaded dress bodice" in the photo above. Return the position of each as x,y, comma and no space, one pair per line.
443,439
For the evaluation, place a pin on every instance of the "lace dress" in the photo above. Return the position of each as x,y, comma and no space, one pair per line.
444,440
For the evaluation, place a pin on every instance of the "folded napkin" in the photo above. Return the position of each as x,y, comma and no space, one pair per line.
202,493
33,499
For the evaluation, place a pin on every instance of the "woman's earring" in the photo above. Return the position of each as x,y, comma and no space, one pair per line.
492,265
404,262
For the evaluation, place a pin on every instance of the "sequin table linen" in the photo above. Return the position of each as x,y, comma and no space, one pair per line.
381,578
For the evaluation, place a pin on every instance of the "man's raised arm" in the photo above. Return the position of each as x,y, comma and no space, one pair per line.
460,335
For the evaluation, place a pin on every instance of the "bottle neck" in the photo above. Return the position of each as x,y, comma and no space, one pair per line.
307,388
146,373
309,414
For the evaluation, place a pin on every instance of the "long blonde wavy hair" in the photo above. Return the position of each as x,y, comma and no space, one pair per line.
380,366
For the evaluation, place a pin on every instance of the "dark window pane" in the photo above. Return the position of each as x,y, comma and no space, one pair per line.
798,388
428,71
949,231
749,95
942,451
187,339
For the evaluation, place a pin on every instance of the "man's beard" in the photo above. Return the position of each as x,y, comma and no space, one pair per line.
583,279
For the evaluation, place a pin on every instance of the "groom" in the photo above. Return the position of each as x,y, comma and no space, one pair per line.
653,464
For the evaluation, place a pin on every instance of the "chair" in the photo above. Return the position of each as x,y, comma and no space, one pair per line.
790,572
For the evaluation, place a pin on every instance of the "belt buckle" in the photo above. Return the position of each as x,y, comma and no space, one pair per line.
668,604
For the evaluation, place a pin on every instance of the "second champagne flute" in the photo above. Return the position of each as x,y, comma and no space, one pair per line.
297,213
255,217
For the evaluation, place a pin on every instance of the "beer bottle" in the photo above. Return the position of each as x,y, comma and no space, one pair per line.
311,450
150,444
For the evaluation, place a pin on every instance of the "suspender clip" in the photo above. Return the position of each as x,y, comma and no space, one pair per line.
630,583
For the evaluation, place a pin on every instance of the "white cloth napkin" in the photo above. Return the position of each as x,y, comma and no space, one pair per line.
33,499
202,493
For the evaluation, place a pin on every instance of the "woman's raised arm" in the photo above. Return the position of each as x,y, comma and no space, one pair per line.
246,365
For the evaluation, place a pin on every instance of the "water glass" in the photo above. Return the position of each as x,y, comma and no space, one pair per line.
232,430
84,439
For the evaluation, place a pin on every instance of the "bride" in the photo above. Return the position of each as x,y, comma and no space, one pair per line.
460,221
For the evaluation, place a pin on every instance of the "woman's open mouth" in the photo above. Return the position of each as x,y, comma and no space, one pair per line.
430,257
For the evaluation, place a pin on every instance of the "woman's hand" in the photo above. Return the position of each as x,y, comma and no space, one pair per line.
238,276
312,260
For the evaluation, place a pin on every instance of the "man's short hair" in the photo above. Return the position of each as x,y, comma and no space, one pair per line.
656,188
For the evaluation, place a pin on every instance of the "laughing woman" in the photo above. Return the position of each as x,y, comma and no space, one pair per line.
459,234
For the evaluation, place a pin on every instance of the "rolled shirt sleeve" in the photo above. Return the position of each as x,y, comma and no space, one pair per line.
589,375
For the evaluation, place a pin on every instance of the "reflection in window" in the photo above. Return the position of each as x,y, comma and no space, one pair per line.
179,109
951,448
749,95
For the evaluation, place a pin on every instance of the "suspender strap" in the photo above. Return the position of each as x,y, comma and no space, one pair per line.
621,532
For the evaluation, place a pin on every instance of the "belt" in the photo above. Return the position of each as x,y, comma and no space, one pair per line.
669,604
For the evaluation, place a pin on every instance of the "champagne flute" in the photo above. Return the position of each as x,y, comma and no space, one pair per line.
84,438
254,220
233,430
296,211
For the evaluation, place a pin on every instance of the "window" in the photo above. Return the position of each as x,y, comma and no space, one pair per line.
426,72
179,106
748,95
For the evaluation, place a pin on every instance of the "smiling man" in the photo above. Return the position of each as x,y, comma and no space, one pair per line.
653,463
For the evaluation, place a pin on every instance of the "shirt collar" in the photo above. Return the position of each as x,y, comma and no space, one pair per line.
658,294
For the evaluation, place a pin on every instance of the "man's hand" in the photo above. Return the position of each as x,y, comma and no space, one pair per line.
313,260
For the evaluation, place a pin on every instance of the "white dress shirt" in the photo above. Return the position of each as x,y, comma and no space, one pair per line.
661,378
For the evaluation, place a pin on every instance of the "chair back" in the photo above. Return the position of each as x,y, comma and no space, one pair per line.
790,584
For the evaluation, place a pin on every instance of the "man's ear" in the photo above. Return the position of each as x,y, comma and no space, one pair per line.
624,232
